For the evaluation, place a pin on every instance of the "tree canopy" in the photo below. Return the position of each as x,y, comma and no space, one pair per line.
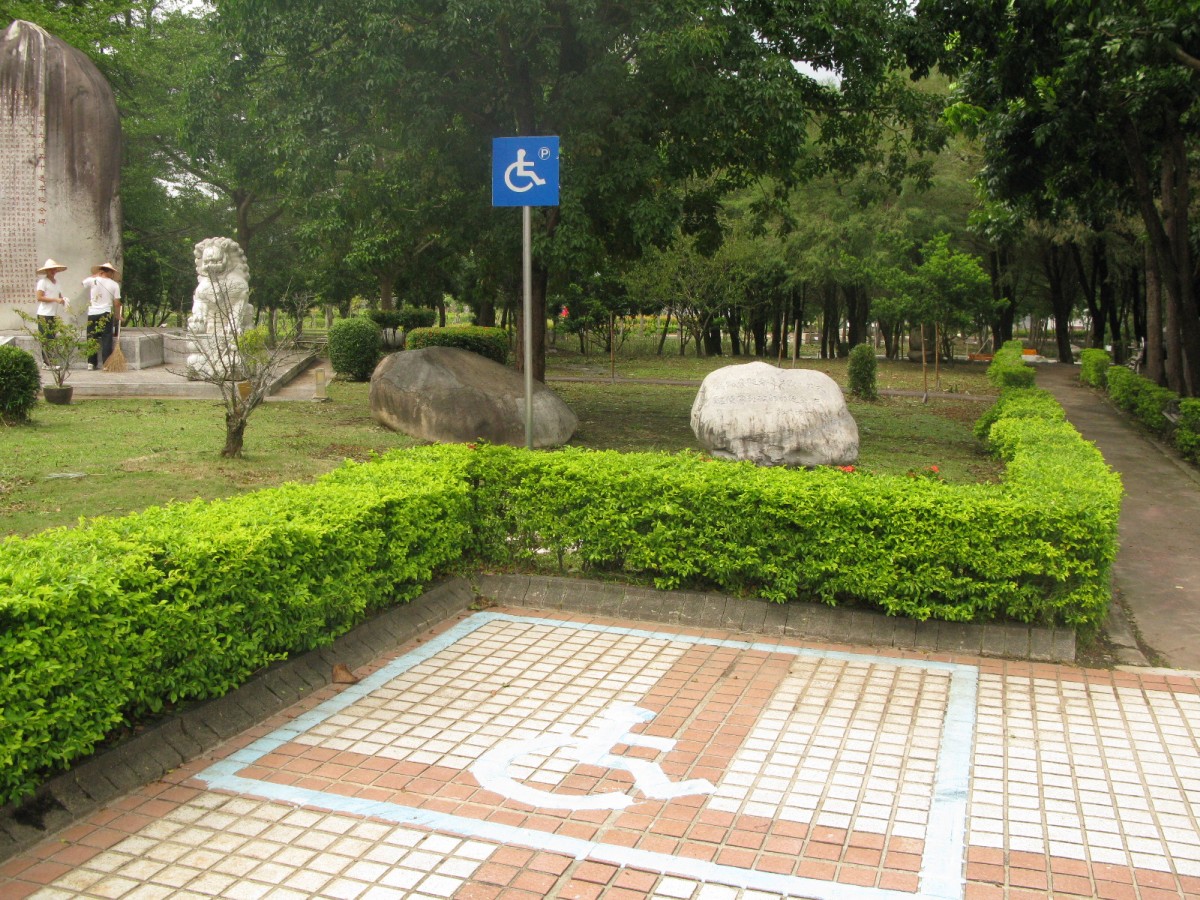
783,156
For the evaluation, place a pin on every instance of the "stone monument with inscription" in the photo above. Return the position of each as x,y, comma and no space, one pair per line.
60,165
774,417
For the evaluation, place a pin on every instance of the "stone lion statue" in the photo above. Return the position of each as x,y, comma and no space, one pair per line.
219,303
220,307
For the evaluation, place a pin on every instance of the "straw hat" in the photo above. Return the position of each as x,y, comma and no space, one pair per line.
51,266
107,266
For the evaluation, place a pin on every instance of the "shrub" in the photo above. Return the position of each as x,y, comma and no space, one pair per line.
385,318
862,372
416,317
19,384
1141,397
354,347
1187,432
118,617
1093,366
1008,369
405,319
1020,403
489,342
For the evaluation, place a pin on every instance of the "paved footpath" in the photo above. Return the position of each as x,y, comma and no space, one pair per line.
1157,571
517,753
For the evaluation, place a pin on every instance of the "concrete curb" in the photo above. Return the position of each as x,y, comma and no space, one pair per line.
753,616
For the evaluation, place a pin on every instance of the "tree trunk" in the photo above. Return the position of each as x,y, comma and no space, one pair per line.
1054,264
1088,281
1153,367
485,313
1175,201
829,323
1108,297
712,339
777,330
662,338
387,281
858,310
235,429
1002,294
1168,234
734,317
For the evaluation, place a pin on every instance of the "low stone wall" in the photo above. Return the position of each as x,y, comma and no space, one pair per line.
143,347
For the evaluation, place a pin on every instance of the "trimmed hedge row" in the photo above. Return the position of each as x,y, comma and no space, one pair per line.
1037,549
112,620
1008,369
1140,396
1146,401
1093,366
119,617
489,342
405,319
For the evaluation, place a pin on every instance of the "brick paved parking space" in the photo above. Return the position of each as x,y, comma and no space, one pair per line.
520,754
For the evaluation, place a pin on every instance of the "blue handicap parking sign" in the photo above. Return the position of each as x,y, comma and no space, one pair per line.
525,171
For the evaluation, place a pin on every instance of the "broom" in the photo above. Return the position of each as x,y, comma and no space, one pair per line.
116,359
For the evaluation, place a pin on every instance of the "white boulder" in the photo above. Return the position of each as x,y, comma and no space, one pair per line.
774,417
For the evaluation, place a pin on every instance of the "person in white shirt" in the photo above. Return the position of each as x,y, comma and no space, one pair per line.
104,310
51,304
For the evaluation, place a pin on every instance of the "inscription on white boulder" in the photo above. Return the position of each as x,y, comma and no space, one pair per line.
774,417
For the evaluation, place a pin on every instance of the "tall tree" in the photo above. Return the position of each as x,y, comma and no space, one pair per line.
1084,105
645,96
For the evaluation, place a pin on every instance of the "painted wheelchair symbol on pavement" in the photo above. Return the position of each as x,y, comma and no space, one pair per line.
523,169
612,728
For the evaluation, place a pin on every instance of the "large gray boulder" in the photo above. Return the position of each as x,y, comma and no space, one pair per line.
774,417
454,396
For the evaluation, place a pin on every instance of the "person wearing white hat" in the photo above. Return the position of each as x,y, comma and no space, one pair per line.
104,310
51,304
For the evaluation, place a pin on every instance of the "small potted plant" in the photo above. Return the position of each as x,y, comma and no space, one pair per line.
60,347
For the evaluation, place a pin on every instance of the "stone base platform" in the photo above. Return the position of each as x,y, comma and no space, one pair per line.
154,367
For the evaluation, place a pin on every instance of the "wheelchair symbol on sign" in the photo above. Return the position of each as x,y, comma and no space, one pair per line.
491,769
523,169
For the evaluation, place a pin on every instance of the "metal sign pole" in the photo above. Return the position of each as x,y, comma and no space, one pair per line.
527,274
525,174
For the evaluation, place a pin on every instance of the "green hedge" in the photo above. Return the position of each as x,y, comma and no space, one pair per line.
1093,367
112,620
1140,396
406,318
1008,369
1187,432
1020,403
489,342
20,385
117,618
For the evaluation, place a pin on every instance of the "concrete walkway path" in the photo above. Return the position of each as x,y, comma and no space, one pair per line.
1157,572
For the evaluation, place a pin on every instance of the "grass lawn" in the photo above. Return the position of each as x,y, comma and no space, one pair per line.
109,457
